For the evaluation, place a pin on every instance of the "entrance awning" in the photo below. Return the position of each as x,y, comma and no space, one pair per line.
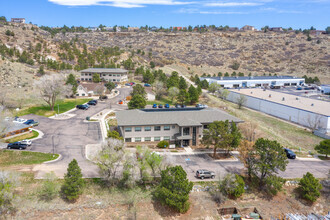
184,137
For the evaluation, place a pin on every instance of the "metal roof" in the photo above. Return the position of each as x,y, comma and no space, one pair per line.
251,78
181,117
103,70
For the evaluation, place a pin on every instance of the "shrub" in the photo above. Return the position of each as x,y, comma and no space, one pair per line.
274,184
8,181
235,65
310,187
323,147
73,182
174,188
49,188
115,135
232,185
163,144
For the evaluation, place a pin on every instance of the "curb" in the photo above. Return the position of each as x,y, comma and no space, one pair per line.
52,161
308,159
41,134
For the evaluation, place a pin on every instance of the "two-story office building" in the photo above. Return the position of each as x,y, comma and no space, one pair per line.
115,75
183,127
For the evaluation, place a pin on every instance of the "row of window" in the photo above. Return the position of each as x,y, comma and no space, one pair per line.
90,79
147,139
90,74
148,128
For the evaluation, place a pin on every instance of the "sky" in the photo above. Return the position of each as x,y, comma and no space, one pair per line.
170,13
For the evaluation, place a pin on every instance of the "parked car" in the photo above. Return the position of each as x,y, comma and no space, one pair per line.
154,106
160,106
19,120
167,106
16,145
127,84
177,106
201,106
205,174
31,122
289,153
91,102
26,142
299,88
183,106
83,107
147,85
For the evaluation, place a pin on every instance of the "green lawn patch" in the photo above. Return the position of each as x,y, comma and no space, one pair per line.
324,158
44,110
16,157
29,135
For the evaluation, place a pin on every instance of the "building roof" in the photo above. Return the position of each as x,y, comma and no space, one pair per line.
92,86
14,126
181,117
300,102
104,70
251,78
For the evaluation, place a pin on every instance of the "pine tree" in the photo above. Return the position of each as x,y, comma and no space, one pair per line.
73,182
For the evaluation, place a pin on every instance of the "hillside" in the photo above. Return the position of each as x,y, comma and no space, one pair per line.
211,52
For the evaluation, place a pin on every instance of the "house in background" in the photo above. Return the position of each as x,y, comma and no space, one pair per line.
276,29
233,29
90,89
133,29
248,28
18,20
316,32
115,75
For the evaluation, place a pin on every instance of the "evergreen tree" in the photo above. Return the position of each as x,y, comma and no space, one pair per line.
72,81
323,147
96,78
137,102
182,83
193,94
182,97
73,182
310,187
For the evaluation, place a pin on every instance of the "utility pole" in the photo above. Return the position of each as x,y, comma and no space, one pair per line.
53,145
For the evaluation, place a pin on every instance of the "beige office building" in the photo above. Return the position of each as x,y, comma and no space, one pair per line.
106,74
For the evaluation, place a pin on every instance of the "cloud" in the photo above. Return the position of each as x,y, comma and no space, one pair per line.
197,11
119,3
231,4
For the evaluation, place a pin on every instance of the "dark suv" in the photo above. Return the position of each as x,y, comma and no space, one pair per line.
84,107
205,174
92,102
289,153
16,145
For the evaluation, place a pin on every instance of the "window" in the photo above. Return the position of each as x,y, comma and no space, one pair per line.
137,139
110,75
128,129
128,139
205,126
186,131
147,128
83,74
118,75
118,80
104,75
114,80
157,128
166,138
173,126
137,129
147,139
166,128
156,138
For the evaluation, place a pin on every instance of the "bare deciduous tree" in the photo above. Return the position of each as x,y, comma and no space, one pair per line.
52,87
223,93
4,123
173,92
313,122
159,89
241,100
248,130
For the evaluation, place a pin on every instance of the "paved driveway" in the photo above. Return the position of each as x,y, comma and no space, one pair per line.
69,137
295,168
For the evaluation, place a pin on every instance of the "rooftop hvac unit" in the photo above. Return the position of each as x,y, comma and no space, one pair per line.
283,99
312,104
297,98
270,95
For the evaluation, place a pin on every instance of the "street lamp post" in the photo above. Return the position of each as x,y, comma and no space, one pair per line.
53,145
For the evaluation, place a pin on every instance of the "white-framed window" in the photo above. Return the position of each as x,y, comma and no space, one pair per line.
157,128
114,80
156,138
166,138
128,129
147,128
137,129
128,139
137,139
147,139
167,128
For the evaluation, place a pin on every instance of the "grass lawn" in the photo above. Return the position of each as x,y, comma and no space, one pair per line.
17,157
29,135
285,133
44,110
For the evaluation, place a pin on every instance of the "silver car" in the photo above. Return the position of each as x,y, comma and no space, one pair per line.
205,174
26,142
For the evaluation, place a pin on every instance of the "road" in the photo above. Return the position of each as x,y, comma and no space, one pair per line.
68,137
295,168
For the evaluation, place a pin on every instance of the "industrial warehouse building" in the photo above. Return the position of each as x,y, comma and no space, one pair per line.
106,74
183,127
301,110
255,81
